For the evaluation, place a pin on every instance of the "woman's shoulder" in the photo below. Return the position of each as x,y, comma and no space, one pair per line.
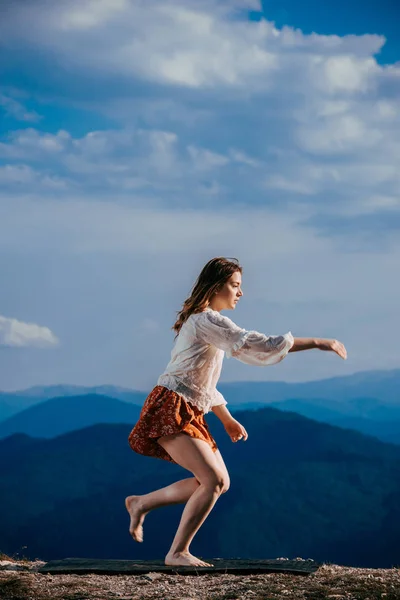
207,312
213,316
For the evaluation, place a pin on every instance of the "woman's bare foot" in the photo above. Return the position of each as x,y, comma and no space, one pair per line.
185,559
137,514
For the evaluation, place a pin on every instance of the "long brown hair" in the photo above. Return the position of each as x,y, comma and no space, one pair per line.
211,280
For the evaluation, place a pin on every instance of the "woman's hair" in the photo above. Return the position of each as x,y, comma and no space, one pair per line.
211,280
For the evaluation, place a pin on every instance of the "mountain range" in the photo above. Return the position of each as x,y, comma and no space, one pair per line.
298,488
12,403
347,402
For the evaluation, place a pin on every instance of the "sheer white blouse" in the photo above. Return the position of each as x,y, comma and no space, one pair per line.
198,352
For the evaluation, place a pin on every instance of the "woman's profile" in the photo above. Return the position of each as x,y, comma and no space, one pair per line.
171,425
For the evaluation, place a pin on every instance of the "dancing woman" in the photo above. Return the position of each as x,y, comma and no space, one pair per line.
171,425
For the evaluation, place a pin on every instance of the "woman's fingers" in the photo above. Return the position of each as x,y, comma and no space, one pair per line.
335,346
240,436
339,348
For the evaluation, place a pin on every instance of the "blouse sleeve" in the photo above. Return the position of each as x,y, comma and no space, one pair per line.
218,399
250,347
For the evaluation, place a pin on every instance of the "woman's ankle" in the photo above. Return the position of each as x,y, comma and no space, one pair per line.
140,505
144,504
175,553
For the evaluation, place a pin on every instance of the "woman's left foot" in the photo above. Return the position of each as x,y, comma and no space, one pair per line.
185,559
137,515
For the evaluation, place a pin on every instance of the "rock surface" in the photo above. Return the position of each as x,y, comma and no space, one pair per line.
329,581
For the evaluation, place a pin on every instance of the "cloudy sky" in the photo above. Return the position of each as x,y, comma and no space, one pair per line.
140,139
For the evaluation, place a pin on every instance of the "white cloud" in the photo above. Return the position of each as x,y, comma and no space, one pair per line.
279,182
372,204
242,157
33,145
195,45
17,174
91,14
121,161
14,108
19,334
339,135
152,167
187,45
204,159
346,73
256,109
24,177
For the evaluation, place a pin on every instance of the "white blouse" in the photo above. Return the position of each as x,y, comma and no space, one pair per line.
198,352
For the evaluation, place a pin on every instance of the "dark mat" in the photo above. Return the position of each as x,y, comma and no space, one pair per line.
235,566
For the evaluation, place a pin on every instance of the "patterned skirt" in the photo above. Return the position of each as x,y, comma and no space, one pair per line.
165,412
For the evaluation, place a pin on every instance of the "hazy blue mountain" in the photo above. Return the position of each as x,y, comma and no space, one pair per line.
376,386
13,402
368,408
387,430
298,488
59,415
51,391
381,385
365,408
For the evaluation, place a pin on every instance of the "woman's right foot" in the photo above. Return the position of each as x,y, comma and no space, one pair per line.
135,510
185,559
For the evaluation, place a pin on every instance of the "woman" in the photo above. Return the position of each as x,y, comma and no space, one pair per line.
172,425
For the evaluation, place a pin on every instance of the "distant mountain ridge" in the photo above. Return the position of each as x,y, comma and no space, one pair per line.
373,379
335,401
60,415
298,488
51,391
376,419
12,403
382,385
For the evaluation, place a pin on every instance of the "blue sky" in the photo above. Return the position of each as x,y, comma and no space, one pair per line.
137,143
340,18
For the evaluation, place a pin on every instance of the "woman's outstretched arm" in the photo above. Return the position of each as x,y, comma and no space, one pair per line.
253,347
320,344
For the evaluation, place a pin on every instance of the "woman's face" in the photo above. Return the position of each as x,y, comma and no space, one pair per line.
228,296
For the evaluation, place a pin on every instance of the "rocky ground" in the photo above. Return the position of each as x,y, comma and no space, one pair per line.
19,580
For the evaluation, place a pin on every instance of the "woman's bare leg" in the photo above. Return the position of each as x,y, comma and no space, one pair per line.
196,456
138,506
222,467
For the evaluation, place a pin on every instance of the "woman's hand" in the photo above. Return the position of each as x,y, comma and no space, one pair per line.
333,346
235,430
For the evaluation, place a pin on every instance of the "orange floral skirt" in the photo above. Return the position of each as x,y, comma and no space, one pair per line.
165,412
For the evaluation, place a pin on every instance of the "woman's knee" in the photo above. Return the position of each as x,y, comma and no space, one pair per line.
217,482
197,456
227,484
221,466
